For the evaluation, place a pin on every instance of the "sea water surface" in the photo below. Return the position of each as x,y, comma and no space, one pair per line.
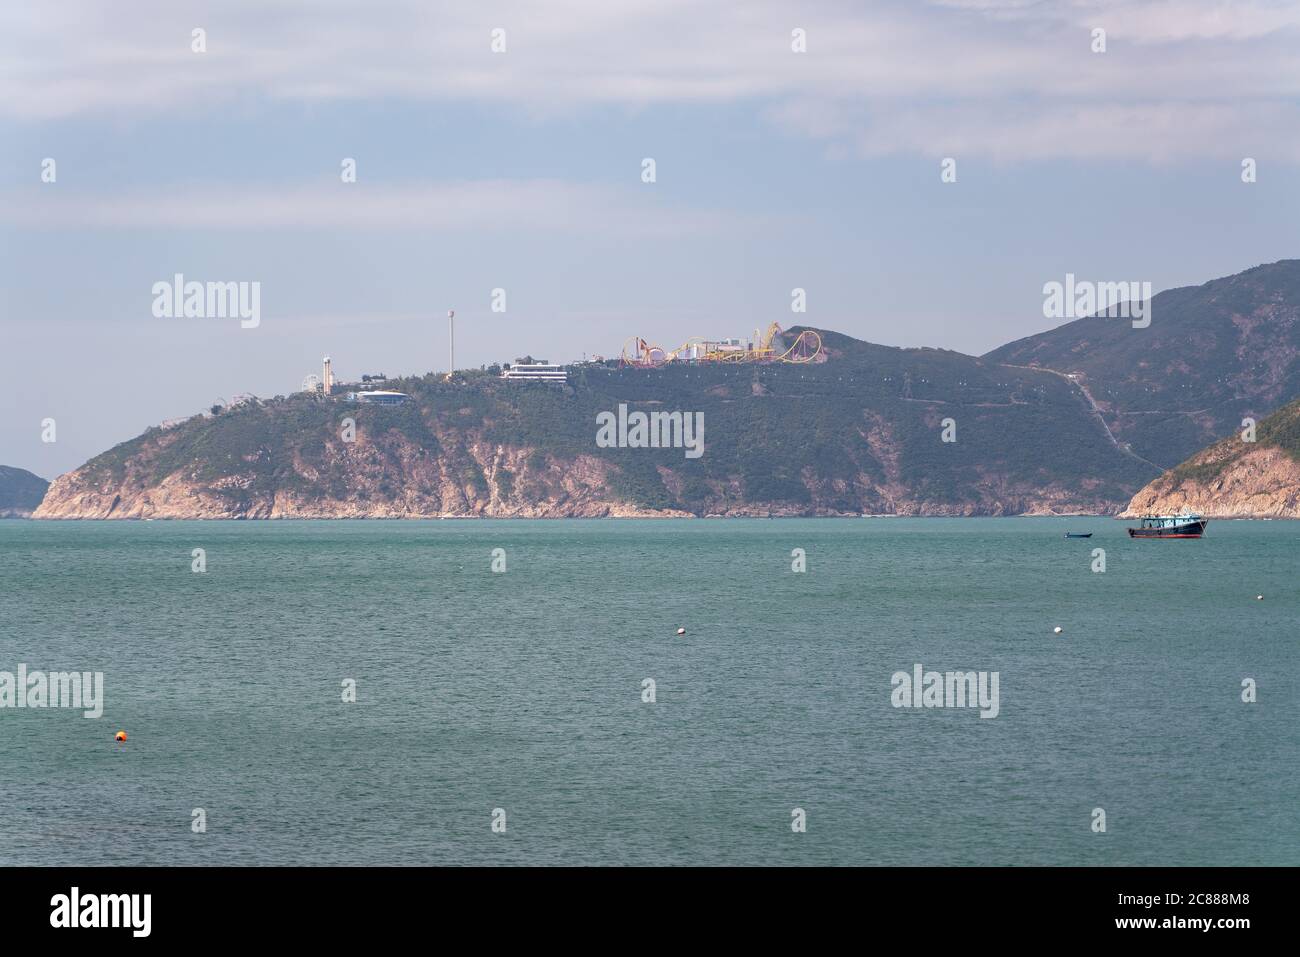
523,691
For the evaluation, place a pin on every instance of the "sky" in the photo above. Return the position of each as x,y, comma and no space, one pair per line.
795,145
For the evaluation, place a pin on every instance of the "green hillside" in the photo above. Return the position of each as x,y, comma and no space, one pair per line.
857,433
1212,355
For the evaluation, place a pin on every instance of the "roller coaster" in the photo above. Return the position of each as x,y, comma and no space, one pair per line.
770,346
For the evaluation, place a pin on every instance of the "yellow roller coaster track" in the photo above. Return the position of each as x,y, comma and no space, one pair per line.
807,347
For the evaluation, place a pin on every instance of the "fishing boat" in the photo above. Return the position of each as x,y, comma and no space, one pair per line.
1078,534
1186,525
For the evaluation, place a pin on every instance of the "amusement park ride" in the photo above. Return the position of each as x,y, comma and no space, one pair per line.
768,347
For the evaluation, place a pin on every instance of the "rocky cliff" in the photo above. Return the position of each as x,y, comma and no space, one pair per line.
387,474
1234,478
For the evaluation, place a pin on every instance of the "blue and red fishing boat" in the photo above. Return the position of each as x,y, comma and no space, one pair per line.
1170,526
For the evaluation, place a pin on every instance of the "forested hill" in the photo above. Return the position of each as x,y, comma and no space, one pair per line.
1212,355
861,432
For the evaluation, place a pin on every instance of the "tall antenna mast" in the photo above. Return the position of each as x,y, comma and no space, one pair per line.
451,340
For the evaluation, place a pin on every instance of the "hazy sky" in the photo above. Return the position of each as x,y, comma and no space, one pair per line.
522,170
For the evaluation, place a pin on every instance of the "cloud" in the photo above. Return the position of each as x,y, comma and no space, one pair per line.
1163,21
1159,132
871,72
551,206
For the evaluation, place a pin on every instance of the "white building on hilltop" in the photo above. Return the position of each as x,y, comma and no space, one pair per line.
379,397
536,372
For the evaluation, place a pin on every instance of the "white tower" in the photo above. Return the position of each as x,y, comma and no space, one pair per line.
451,339
327,380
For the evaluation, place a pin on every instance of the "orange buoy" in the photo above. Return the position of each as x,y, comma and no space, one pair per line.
120,736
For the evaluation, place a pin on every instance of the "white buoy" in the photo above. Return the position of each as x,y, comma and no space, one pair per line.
1056,630
1259,598
681,631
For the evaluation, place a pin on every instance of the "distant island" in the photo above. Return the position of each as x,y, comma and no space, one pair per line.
1080,419
20,492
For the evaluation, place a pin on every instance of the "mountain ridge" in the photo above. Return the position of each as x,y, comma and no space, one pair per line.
1213,354
861,432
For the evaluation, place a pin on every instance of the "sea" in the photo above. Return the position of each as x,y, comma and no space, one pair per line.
501,692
